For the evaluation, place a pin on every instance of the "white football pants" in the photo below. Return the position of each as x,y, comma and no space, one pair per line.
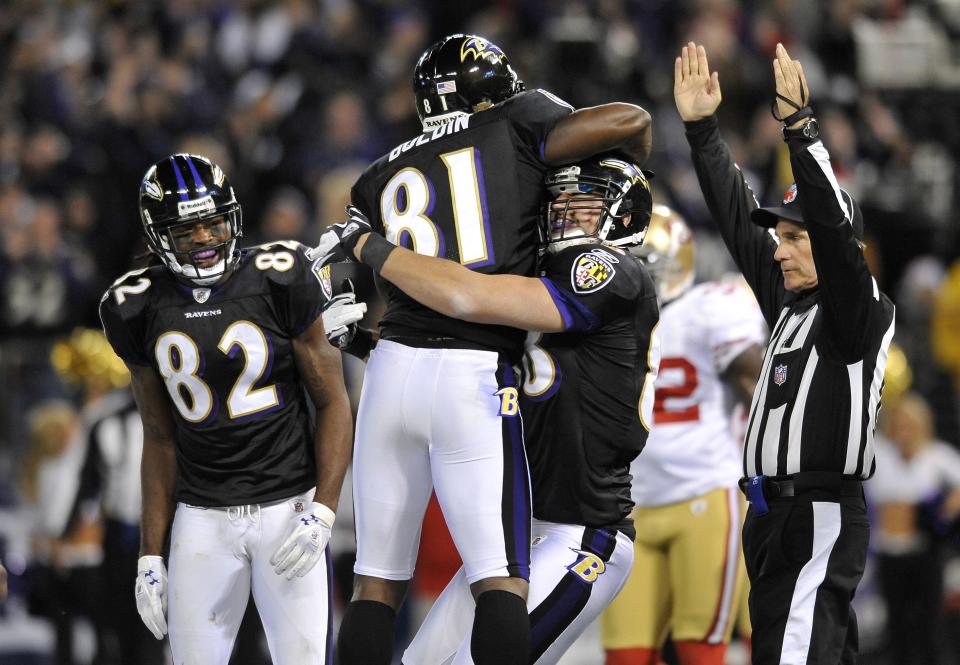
443,419
217,556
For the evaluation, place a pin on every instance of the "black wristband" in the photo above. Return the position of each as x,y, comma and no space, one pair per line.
361,344
805,112
375,251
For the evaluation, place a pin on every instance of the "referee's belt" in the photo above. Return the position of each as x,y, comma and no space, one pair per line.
760,489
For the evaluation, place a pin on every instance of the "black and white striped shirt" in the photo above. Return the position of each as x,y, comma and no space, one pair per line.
111,470
816,401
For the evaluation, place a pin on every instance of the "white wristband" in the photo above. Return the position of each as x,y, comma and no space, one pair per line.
323,512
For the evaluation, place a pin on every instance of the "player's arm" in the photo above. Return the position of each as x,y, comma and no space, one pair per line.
451,289
322,374
742,372
158,467
618,126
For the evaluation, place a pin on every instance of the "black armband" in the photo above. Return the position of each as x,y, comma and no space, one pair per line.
362,343
375,251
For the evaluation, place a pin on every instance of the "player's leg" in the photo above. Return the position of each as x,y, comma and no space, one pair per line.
446,627
705,561
209,584
295,613
634,625
483,487
575,573
391,485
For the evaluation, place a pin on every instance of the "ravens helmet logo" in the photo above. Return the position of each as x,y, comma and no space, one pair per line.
480,49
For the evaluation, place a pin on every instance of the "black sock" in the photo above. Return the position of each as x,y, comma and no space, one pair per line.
366,634
501,630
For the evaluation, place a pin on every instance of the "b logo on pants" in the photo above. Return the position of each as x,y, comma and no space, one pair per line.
587,567
509,402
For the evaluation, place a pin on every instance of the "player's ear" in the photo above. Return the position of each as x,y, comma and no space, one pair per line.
626,219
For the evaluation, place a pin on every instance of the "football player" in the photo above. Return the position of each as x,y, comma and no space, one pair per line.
224,345
467,189
688,561
586,397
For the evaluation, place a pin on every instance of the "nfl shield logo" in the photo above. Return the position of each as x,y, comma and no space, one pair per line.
201,295
780,374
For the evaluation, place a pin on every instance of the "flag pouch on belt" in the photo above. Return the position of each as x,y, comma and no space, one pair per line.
756,497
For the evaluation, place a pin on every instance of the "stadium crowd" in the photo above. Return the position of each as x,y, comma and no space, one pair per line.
294,98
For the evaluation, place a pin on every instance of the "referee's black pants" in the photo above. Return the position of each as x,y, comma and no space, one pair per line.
804,559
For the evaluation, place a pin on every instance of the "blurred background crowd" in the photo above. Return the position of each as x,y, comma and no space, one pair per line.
295,97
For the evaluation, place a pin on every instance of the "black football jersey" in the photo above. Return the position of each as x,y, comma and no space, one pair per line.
469,191
587,391
244,431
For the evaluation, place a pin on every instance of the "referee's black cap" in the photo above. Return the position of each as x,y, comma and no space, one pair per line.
790,210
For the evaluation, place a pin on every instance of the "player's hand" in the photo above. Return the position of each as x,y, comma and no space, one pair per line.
151,592
307,538
346,234
695,90
791,83
341,314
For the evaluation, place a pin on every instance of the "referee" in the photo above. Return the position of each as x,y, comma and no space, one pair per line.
809,440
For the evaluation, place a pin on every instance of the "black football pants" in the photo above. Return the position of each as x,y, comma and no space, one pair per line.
805,558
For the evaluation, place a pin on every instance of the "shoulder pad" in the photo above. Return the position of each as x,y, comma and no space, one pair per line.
535,96
129,294
282,261
289,265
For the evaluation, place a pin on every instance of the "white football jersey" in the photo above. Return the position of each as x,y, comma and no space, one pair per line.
692,449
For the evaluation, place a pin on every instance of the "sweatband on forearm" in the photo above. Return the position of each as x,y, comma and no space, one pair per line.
375,251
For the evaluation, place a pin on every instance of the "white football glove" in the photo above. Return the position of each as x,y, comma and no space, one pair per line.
340,316
306,540
151,592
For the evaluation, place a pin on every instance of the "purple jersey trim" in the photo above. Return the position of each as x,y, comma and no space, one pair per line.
577,317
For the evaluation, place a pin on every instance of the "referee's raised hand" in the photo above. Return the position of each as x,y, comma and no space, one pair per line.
793,93
695,90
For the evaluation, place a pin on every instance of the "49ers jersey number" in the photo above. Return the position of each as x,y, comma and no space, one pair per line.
677,381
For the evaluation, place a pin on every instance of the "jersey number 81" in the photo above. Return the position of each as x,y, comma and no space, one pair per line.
408,199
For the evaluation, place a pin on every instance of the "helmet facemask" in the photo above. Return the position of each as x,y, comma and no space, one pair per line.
582,195
173,244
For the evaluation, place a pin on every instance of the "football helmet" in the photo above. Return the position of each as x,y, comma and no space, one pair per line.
608,188
175,194
457,74
668,253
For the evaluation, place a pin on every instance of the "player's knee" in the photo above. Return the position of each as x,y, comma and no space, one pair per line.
515,585
639,656
501,629
388,592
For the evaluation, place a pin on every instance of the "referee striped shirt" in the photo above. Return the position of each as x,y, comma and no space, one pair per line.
817,397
